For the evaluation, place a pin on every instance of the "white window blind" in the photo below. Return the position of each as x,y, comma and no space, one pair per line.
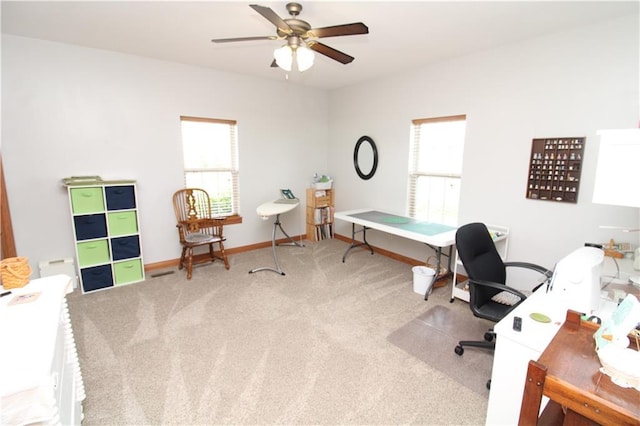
210,149
435,168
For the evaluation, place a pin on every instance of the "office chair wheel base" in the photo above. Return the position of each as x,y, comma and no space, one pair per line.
488,336
459,350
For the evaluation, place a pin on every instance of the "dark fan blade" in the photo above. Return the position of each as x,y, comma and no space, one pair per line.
228,40
272,17
339,30
330,52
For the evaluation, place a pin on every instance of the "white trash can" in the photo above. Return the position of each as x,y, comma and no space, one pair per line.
423,278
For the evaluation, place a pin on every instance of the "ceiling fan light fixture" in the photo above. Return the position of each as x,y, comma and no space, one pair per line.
296,32
304,58
284,57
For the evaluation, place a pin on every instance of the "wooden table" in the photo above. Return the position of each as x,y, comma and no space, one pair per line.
568,373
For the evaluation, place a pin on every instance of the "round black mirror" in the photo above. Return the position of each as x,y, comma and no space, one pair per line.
365,157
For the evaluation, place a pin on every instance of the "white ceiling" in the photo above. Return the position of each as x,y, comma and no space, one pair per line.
402,35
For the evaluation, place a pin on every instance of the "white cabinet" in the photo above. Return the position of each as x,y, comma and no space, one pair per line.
513,352
500,236
40,378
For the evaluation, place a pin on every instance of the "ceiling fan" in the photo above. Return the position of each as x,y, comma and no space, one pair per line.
299,36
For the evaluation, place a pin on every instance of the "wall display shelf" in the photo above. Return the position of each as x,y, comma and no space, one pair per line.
554,169
500,236
320,210
106,232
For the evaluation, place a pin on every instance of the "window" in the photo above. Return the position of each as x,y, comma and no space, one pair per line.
435,168
210,149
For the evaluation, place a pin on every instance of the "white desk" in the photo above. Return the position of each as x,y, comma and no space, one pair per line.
40,379
435,235
276,208
515,349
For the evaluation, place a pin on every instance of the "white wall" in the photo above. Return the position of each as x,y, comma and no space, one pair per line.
568,84
70,110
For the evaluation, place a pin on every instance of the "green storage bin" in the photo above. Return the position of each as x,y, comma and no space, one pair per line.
93,252
87,200
129,271
122,223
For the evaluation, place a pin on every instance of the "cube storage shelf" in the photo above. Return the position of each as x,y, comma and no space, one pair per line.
107,234
554,169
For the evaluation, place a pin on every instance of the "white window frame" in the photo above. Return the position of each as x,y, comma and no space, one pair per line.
434,188
199,176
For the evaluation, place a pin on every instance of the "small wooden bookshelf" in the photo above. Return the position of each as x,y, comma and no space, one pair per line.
320,210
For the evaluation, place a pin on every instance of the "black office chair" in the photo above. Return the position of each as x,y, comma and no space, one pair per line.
489,297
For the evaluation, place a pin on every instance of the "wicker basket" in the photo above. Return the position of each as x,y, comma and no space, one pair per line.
15,272
439,273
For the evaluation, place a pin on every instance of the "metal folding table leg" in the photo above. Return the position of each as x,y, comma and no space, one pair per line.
439,255
353,240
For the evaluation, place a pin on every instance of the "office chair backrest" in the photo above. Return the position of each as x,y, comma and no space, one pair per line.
478,253
480,259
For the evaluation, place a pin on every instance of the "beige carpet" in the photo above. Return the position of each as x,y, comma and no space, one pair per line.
229,347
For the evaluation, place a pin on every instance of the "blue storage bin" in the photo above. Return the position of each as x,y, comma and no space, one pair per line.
125,247
120,197
90,226
96,278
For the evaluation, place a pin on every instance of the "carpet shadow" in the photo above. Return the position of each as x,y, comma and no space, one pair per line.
432,337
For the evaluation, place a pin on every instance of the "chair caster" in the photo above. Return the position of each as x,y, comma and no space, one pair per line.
488,336
489,384
459,350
